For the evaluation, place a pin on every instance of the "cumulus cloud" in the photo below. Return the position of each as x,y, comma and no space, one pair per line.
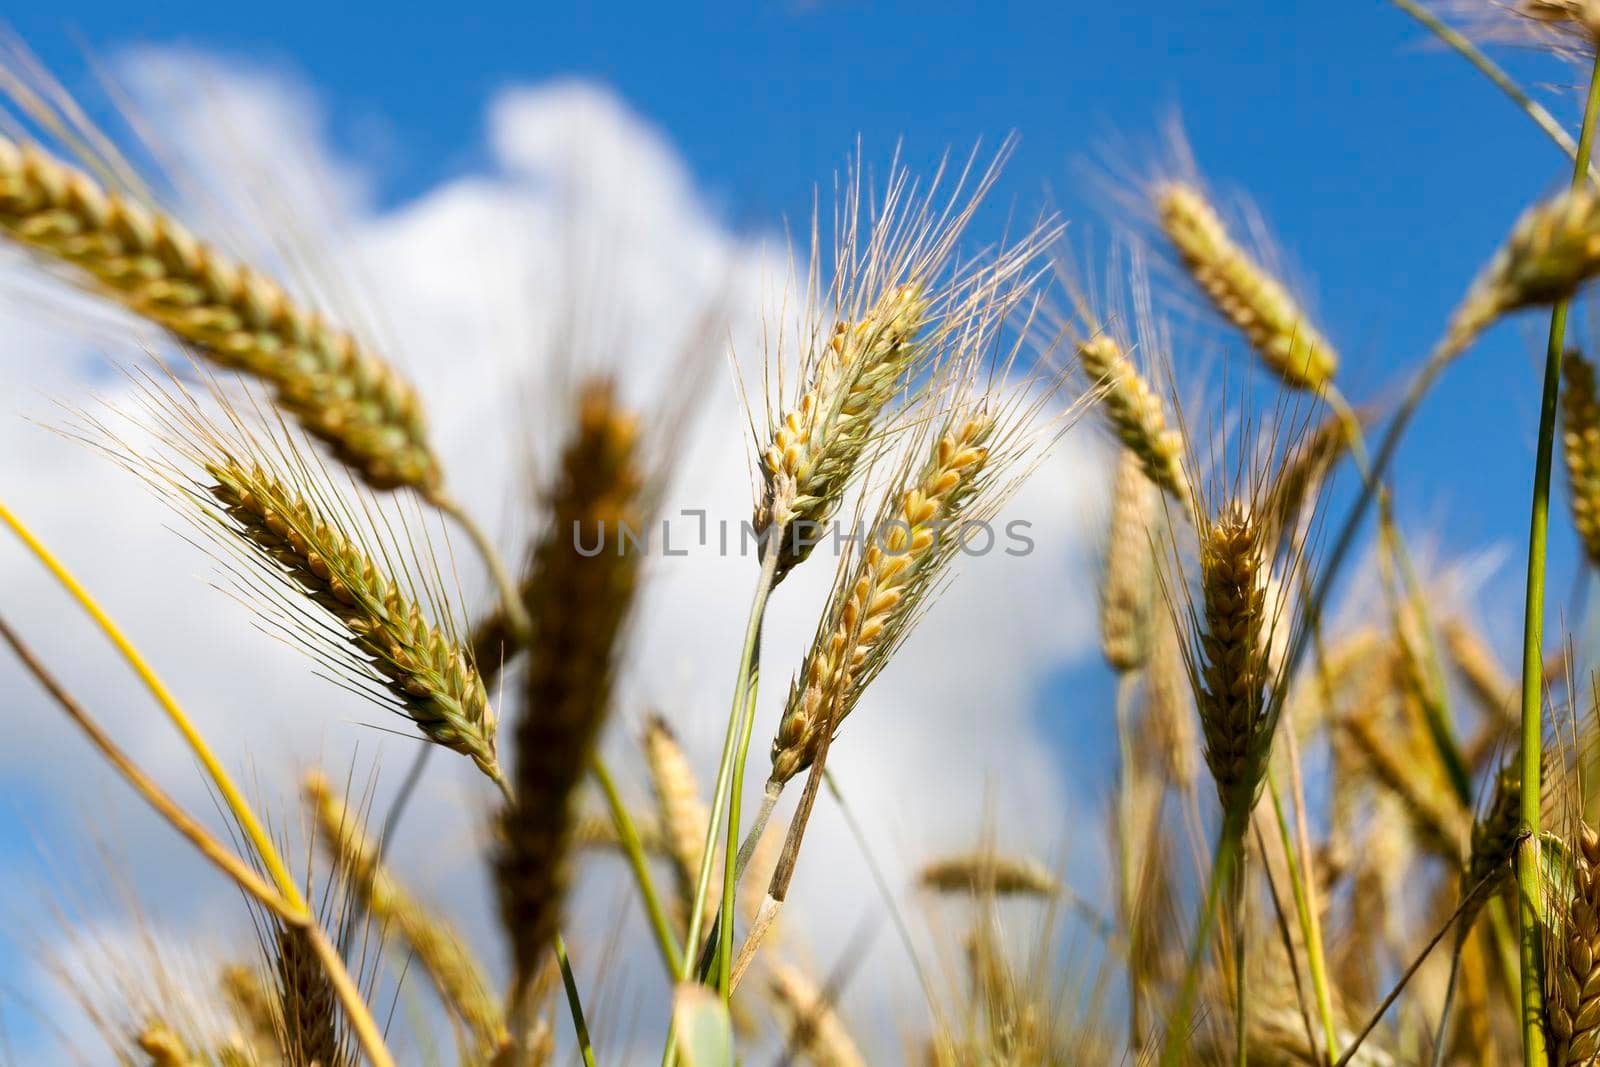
583,231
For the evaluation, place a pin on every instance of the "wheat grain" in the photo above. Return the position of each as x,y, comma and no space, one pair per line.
1246,295
340,392
1128,578
429,677
444,957
578,604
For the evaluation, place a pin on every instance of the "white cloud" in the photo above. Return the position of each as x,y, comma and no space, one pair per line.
477,281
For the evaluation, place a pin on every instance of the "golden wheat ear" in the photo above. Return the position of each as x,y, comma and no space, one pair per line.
989,873
897,293
1243,292
1127,583
814,1026
579,603
127,252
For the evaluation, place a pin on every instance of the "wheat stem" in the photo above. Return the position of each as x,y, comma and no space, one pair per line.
235,801
574,1002
1491,70
744,684
1533,1045
516,613
181,820
1229,839
628,834
1310,927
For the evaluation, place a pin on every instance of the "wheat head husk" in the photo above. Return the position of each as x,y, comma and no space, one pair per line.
1127,586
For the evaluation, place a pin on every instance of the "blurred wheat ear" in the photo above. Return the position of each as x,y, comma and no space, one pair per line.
578,603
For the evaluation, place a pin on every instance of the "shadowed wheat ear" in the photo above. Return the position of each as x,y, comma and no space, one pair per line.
1494,834
984,873
897,296
311,1032
1128,579
578,604
449,964
1246,295
341,393
1553,249
1580,445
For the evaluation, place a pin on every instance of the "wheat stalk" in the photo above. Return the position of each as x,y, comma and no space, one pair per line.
1246,295
445,958
578,604
340,392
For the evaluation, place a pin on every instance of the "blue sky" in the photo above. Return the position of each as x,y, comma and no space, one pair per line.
1387,169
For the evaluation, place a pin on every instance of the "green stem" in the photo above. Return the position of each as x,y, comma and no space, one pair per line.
573,1002
516,614
1309,928
731,869
1240,971
1229,841
752,640
1533,1052
1491,70
628,834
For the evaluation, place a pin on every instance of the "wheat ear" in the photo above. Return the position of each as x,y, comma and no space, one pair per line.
578,604
308,1007
815,1028
816,447
986,873
1246,295
1580,445
429,677
342,393
1136,414
1551,251
449,964
164,1047
882,596
683,814
1573,960
1128,579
